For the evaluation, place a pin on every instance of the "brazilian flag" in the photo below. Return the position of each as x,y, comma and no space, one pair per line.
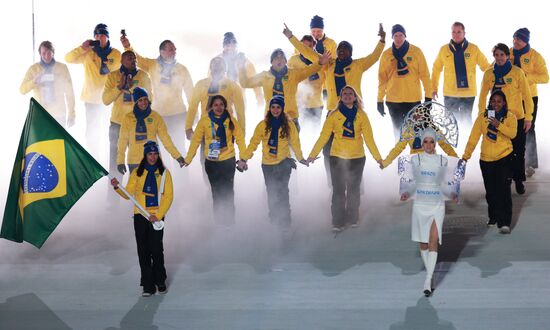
51,172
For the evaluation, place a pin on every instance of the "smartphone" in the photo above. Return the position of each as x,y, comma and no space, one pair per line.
490,113
123,32
94,43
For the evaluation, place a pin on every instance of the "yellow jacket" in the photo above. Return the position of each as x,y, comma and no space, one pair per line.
93,80
403,88
310,92
203,131
330,45
168,97
342,147
135,188
353,73
111,93
445,61
284,145
266,79
492,150
534,66
228,89
516,91
63,97
127,138
401,145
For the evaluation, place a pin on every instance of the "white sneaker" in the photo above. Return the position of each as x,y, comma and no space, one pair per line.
529,171
336,229
505,230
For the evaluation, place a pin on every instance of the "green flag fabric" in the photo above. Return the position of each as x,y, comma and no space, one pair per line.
51,172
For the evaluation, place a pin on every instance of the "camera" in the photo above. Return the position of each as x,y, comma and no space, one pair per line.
94,43
123,32
490,113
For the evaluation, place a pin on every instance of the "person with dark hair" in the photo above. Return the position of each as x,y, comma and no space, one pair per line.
277,134
498,127
216,84
138,126
52,85
401,69
458,60
118,92
534,66
98,58
231,56
350,126
170,80
219,131
151,185
511,80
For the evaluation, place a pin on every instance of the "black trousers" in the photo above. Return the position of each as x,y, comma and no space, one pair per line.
346,177
150,253
519,153
497,178
531,155
461,107
398,111
114,132
221,176
276,182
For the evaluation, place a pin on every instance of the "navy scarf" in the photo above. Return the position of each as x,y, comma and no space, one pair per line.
125,72
339,76
307,62
48,87
102,53
166,70
350,114
319,46
278,84
220,131
460,63
402,67
273,141
150,189
492,130
519,53
141,127
500,71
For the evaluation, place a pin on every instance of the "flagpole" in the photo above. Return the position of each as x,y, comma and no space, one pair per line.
142,210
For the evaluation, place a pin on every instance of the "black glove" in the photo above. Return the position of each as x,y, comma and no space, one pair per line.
380,107
121,168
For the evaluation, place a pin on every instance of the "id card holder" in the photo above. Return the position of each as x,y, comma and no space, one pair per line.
214,150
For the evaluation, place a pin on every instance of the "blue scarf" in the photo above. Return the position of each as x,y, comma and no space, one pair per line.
141,127
460,63
220,131
273,141
319,46
307,62
350,114
402,67
500,72
492,130
339,76
125,72
150,189
519,53
166,70
278,83
47,91
102,53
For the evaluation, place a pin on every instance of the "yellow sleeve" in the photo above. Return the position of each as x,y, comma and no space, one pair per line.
366,129
509,127
528,104
28,81
396,151
238,102
69,92
250,81
436,71
193,106
308,53
366,62
76,56
167,197
482,104
110,90
144,63
447,148
187,84
540,72
383,78
254,142
166,140
294,140
130,186
148,86
123,139
239,138
250,71
302,74
424,74
474,138
323,138
195,141
482,61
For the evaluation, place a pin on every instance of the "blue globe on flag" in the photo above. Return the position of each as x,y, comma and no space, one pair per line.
39,174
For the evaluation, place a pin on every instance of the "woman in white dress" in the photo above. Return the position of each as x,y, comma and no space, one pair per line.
430,187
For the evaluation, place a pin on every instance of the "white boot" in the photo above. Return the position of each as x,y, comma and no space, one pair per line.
424,255
430,267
